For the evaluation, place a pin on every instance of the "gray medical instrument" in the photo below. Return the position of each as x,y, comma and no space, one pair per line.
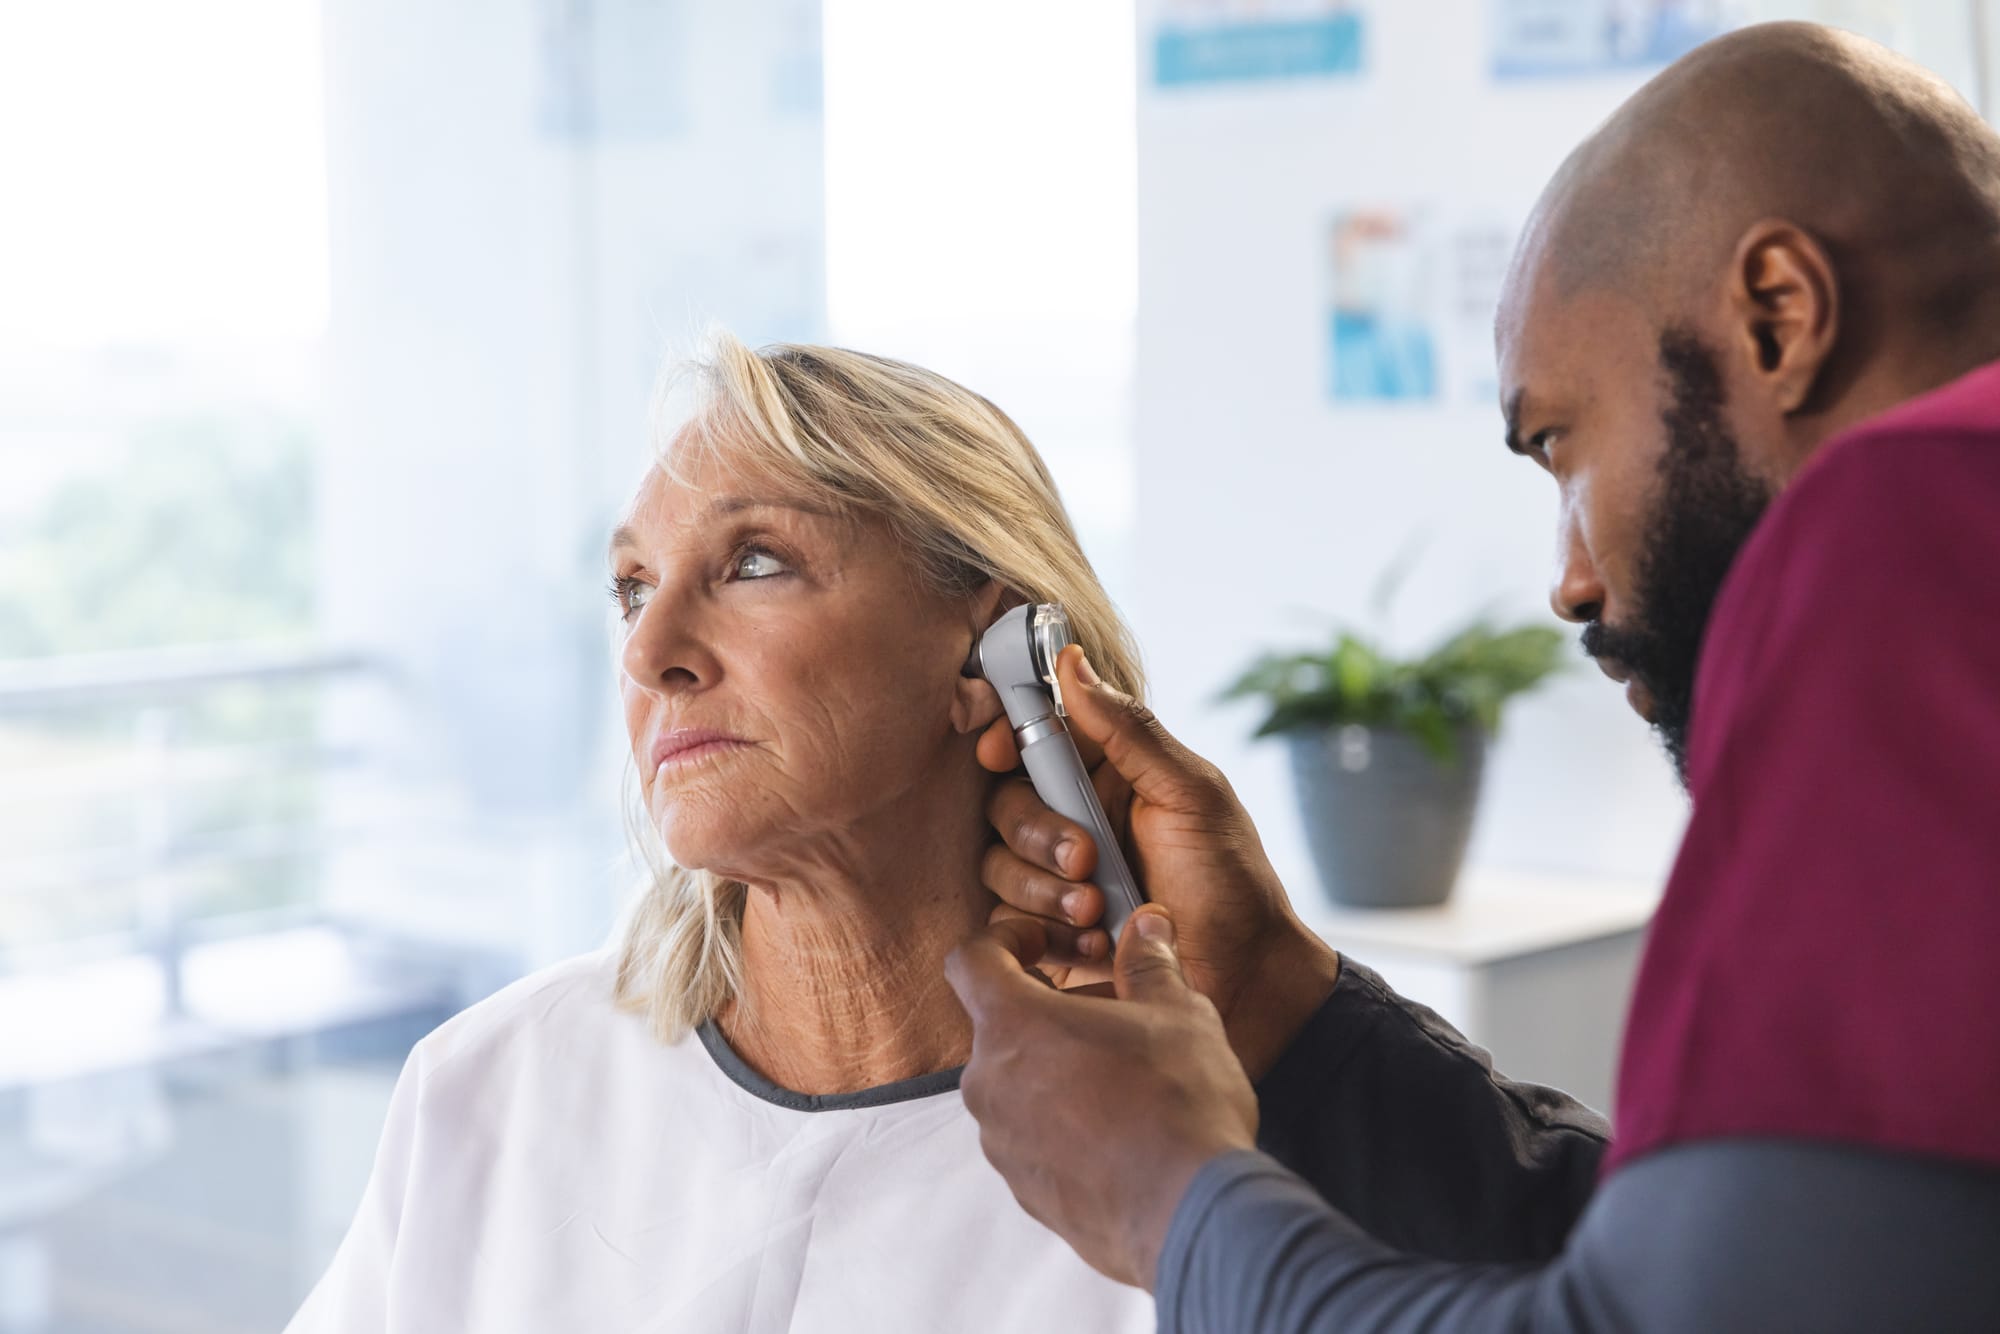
1018,655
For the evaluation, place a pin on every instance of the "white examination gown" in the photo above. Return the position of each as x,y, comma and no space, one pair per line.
549,1166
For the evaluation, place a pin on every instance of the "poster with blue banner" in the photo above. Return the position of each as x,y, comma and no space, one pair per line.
1198,42
1535,39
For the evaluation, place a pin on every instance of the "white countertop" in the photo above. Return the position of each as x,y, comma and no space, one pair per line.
1493,915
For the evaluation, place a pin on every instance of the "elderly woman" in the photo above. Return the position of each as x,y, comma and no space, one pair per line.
745,1115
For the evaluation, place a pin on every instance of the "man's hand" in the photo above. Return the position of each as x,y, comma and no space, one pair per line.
1193,848
1099,1112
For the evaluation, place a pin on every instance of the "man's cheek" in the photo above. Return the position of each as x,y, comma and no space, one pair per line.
1615,549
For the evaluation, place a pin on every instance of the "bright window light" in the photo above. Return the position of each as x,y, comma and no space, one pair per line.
979,162
165,174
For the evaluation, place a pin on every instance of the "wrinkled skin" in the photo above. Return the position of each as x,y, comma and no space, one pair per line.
849,802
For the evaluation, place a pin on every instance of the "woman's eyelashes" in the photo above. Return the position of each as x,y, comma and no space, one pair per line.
748,562
626,595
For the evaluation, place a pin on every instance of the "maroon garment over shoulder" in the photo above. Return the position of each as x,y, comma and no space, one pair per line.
1826,961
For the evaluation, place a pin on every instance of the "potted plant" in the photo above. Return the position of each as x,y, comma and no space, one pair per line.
1387,753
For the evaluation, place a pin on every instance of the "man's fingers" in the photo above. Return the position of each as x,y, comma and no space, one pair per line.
1159,768
1147,967
1037,834
1063,946
1023,937
1028,887
992,964
996,749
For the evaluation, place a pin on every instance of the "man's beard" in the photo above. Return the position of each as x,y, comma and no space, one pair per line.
1702,512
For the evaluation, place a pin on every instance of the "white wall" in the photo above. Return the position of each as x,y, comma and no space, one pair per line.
530,203
1265,509
980,220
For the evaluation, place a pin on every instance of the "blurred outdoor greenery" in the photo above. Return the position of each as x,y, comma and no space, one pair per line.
193,530
198,531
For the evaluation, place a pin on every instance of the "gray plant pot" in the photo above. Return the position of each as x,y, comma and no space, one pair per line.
1387,823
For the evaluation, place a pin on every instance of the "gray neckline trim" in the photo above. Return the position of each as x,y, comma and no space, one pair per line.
741,1075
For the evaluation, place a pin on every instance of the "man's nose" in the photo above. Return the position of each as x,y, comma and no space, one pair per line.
1577,593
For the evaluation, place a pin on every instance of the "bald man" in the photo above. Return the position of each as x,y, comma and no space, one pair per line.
1753,333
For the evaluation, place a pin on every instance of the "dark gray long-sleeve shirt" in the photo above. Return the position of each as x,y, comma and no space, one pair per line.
1405,1127
1406,1187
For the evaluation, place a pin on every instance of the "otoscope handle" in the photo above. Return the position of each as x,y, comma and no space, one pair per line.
1061,780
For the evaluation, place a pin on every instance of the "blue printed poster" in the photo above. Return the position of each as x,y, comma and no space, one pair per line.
1248,41
1534,39
1411,294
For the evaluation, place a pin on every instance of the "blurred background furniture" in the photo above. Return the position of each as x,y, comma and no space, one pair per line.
1537,969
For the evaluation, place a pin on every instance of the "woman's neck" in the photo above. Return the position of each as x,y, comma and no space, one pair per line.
843,967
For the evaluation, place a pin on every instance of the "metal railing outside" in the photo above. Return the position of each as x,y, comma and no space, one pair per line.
118,779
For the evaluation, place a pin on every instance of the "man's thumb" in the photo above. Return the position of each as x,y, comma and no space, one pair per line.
1159,768
1147,968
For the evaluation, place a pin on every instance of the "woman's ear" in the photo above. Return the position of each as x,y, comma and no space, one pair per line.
974,705
974,702
989,602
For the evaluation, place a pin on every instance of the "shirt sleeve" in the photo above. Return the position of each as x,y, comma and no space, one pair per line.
352,1296
1405,1128
1722,1236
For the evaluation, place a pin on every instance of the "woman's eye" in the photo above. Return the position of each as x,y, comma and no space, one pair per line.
756,563
629,596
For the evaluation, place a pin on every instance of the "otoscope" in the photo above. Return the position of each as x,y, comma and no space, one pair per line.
1018,655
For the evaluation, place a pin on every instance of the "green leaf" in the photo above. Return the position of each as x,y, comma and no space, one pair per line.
1433,731
1355,667
1466,680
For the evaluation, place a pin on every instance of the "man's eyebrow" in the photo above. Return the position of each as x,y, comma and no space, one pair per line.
625,535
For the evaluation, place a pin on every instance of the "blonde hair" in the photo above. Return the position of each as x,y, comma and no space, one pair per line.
965,494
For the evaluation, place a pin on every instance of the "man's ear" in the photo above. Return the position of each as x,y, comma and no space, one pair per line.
1784,298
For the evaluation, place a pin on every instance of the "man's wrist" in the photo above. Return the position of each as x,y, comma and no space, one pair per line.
1153,1224
1295,973
1189,1230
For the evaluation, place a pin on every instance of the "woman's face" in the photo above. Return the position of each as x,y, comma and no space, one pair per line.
788,682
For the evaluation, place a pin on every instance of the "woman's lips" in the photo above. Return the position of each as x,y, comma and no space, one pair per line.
685,745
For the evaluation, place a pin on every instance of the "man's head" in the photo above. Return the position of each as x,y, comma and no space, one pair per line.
1785,233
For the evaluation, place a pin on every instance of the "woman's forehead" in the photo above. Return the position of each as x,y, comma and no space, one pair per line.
699,461
713,489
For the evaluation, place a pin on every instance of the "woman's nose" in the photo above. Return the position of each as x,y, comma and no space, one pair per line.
665,651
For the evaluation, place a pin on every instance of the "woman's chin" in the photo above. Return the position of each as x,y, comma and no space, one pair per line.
704,845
